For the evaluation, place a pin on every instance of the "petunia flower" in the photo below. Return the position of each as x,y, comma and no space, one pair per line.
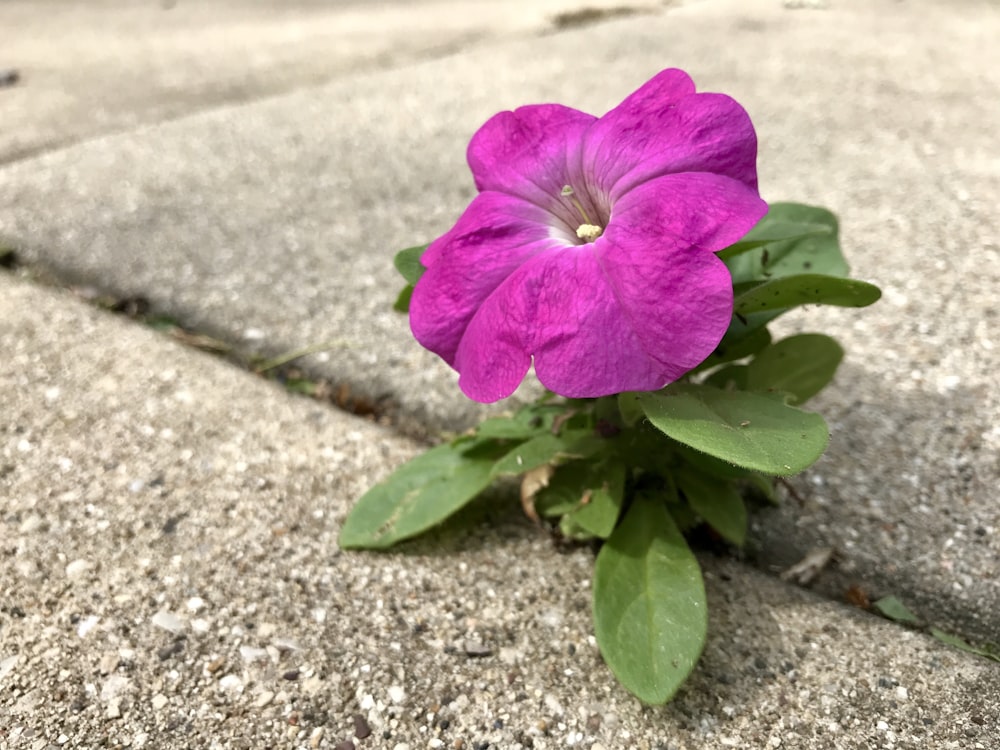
590,247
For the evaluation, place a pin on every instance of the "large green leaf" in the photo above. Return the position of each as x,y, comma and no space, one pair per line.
804,289
798,365
418,495
717,501
710,465
650,613
408,263
754,430
816,252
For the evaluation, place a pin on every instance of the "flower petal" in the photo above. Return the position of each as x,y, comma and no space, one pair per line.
587,338
531,152
686,210
665,127
496,234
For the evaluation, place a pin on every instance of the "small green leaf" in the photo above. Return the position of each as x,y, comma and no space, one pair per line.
408,263
418,495
588,493
302,386
730,351
402,303
893,609
547,449
728,378
763,485
685,518
628,407
798,365
744,327
774,228
804,289
570,529
754,430
960,643
718,502
817,252
528,422
650,612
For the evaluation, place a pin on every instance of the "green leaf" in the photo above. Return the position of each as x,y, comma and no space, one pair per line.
730,351
710,465
763,485
779,226
589,494
754,430
798,365
816,252
717,501
408,263
743,327
528,422
547,449
628,407
650,612
804,289
418,495
731,377
893,609
685,518
570,529
955,642
402,303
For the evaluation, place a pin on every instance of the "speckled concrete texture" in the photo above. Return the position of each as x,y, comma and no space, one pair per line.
273,225
86,69
172,580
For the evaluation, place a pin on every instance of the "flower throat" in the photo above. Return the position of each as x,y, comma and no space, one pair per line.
588,231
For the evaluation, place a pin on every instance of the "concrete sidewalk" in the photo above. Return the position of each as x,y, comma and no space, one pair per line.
110,65
171,522
173,581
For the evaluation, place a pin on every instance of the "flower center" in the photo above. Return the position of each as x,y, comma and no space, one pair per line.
587,231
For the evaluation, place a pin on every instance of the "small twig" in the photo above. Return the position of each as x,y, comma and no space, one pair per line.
790,488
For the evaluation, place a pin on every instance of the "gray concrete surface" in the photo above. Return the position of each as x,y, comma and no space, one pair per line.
172,580
272,224
142,478
108,65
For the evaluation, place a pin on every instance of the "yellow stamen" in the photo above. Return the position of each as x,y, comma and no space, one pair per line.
567,192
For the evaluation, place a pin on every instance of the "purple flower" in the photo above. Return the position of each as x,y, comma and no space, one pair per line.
590,246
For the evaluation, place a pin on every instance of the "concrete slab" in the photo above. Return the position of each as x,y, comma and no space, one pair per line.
110,65
273,225
172,579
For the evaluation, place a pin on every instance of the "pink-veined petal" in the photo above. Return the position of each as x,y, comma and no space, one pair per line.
587,337
686,210
496,234
531,152
659,130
